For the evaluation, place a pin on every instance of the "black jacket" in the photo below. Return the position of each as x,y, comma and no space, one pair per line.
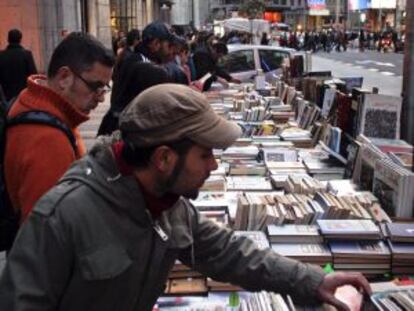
16,65
204,63
133,73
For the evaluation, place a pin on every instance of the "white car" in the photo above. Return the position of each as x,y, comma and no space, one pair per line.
243,61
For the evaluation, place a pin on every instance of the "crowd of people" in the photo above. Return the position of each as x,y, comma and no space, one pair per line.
100,230
338,40
325,40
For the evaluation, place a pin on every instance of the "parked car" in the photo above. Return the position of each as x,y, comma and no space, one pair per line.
243,61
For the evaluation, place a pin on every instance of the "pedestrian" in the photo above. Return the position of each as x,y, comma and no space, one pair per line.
37,155
106,237
264,40
16,65
115,41
154,48
361,40
172,65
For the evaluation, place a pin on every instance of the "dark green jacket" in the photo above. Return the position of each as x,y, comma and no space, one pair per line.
90,244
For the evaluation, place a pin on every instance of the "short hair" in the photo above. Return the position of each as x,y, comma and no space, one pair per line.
134,81
132,35
141,157
14,36
79,51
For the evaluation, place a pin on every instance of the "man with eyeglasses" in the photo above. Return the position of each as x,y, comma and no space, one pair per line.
37,155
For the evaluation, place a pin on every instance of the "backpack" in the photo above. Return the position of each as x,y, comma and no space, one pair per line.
9,218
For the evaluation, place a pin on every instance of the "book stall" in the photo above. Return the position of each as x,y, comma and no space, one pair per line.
320,175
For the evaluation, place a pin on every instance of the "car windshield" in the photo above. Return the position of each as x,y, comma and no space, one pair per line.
271,60
238,61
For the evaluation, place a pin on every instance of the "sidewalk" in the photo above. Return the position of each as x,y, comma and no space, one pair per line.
89,129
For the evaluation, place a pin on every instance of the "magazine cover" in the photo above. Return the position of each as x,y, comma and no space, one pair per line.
381,116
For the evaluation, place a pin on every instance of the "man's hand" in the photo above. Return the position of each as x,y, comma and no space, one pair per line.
326,291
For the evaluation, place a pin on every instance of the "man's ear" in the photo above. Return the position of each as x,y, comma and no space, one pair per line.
164,159
64,78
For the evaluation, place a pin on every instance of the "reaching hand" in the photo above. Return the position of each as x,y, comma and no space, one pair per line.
326,291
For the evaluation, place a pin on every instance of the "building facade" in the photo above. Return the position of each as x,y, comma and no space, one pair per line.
43,22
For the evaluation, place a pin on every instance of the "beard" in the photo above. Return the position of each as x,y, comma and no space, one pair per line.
168,185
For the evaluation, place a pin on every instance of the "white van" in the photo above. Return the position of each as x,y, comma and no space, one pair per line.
243,61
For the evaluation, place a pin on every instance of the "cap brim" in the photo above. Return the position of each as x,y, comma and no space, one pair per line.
220,135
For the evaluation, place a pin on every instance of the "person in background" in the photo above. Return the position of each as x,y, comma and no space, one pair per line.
182,60
155,48
122,46
264,40
115,41
16,65
173,64
206,59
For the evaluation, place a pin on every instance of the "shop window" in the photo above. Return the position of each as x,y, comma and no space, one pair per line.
123,15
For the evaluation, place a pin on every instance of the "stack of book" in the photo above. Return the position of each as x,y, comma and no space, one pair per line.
368,257
248,183
255,211
247,167
255,114
394,300
401,240
303,185
345,207
349,229
264,301
299,137
317,253
214,183
294,234
325,169
240,153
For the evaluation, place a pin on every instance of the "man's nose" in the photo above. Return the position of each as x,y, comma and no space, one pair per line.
100,97
213,164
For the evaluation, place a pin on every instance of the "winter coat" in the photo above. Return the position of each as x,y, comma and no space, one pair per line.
91,244
16,65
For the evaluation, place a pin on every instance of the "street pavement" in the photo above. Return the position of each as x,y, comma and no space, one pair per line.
389,64
89,129
378,69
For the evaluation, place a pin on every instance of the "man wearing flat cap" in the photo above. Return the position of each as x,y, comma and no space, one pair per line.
107,235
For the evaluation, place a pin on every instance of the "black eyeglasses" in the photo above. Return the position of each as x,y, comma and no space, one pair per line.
94,86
